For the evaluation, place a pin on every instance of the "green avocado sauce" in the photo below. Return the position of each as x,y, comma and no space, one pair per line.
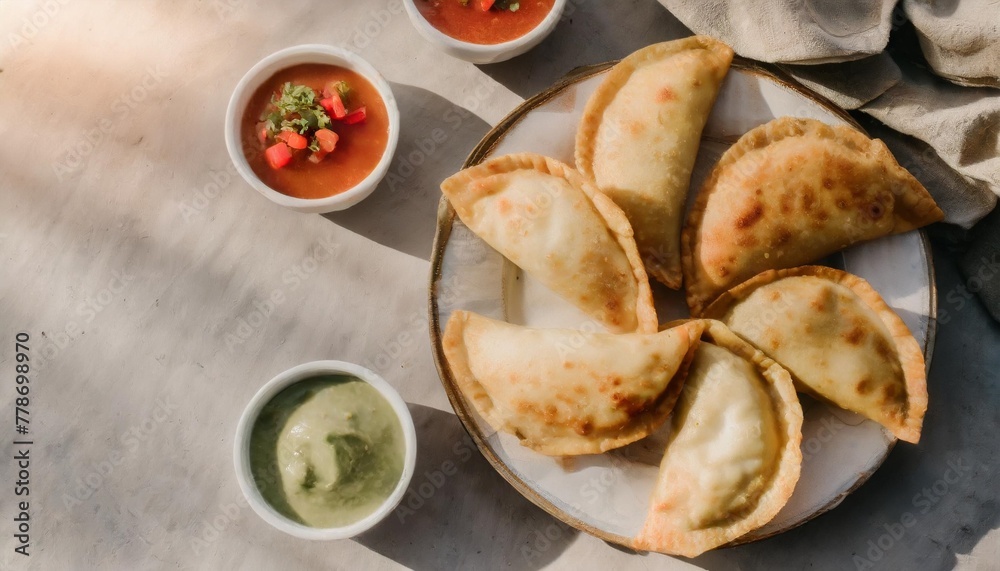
327,451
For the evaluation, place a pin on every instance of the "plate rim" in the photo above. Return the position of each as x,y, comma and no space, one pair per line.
445,220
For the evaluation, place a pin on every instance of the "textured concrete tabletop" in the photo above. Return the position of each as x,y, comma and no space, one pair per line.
141,267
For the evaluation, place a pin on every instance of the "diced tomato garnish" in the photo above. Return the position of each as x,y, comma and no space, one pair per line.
293,139
486,4
327,140
318,156
278,155
356,116
262,134
334,106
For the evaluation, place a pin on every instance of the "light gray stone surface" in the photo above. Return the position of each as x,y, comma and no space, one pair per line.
133,255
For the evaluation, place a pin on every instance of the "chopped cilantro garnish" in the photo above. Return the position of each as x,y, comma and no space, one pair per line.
296,109
344,91
294,97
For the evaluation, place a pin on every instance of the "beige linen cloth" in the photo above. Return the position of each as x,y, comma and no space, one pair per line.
933,97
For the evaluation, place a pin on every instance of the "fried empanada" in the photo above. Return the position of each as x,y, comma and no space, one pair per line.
566,392
549,221
838,339
733,457
640,134
789,193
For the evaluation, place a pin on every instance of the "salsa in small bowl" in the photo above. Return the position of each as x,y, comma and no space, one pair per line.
485,31
312,128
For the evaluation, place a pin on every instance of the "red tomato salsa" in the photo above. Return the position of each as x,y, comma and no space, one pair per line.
314,130
484,21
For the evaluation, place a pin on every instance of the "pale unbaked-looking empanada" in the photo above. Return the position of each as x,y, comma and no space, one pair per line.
838,339
549,221
788,193
639,137
566,392
733,457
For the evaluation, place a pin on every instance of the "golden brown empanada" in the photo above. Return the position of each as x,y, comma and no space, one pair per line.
733,457
640,134
788,193
838,339
546,218
567,392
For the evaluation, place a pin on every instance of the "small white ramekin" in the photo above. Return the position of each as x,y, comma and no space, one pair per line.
241,452
265,69
485,53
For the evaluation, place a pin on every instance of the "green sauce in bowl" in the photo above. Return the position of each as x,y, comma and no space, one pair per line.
327,451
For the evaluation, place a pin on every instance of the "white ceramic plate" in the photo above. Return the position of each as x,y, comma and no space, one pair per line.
607,494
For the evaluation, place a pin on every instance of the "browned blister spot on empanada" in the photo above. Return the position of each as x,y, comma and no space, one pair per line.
751,216
865,386
855,335
822,303
631,405
890,393
787,203
584,427
782,236
883,349
665,94
875,210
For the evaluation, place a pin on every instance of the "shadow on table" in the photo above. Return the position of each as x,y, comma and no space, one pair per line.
929,502
435,138
459,513
591,31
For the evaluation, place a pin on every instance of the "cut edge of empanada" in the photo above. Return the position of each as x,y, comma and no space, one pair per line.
461,183
911,358
914,206
788,412
593,114
457,357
